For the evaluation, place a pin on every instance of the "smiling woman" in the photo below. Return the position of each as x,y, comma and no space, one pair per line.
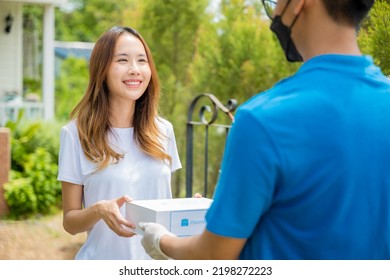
128,76
115,148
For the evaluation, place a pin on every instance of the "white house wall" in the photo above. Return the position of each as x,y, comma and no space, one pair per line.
11,52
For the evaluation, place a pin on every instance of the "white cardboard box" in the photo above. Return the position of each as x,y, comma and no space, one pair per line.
181,216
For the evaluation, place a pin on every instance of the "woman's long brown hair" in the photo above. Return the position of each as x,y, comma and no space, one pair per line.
93,111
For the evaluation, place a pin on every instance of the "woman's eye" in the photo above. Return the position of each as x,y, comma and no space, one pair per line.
122,60
142,60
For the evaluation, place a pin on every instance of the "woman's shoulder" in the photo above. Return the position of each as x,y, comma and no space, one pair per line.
70,127
163,123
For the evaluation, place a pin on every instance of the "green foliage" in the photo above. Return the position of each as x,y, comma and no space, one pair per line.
70,86
42,171
33,187
47,137
32,17
89,18
20,141
27,137
32,86
32,35
236,57
170,29
374,38
20,197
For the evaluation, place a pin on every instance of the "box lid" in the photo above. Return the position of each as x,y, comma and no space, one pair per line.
175,204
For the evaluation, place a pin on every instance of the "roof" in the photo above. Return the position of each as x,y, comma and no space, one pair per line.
77,49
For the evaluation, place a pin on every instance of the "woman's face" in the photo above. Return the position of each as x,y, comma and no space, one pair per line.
129,73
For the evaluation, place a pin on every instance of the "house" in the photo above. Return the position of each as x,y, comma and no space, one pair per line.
64,50
12,55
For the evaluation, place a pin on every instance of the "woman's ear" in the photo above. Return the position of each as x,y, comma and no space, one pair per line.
298,6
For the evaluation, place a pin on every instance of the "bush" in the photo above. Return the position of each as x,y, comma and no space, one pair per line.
33,187
42,172
20,197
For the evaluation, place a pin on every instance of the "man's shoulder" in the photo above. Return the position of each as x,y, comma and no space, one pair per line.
271,97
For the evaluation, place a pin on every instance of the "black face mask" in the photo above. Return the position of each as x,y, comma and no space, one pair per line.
283,33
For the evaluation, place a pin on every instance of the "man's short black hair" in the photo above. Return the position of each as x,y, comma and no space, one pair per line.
350,12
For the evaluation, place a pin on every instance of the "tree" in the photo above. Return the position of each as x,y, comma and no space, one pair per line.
237,56
70,86
374,38
170,27
86,20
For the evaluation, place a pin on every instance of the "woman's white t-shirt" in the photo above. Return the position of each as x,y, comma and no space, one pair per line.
136,175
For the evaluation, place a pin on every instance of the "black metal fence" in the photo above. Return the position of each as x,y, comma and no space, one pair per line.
208,107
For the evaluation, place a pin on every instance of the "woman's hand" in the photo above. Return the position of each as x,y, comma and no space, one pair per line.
108,210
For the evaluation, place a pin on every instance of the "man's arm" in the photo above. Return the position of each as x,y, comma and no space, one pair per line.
206,246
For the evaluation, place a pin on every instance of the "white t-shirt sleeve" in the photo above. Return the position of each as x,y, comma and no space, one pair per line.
172,150
69,169
166,128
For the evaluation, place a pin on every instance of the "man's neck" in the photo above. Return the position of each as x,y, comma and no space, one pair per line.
317,34
331,42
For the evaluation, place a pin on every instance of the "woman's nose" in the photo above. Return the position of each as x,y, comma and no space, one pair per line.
133,70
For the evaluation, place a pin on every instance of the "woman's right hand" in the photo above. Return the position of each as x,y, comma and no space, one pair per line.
108,210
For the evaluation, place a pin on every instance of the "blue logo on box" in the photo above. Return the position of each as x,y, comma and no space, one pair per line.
184,222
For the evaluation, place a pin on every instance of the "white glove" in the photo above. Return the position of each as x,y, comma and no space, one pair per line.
151,239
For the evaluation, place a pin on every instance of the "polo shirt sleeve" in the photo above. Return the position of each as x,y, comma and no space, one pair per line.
246,185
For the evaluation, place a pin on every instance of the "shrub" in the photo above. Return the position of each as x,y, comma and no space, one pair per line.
42,172
20,197
33,187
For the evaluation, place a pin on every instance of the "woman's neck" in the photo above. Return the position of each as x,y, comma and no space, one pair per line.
122,115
